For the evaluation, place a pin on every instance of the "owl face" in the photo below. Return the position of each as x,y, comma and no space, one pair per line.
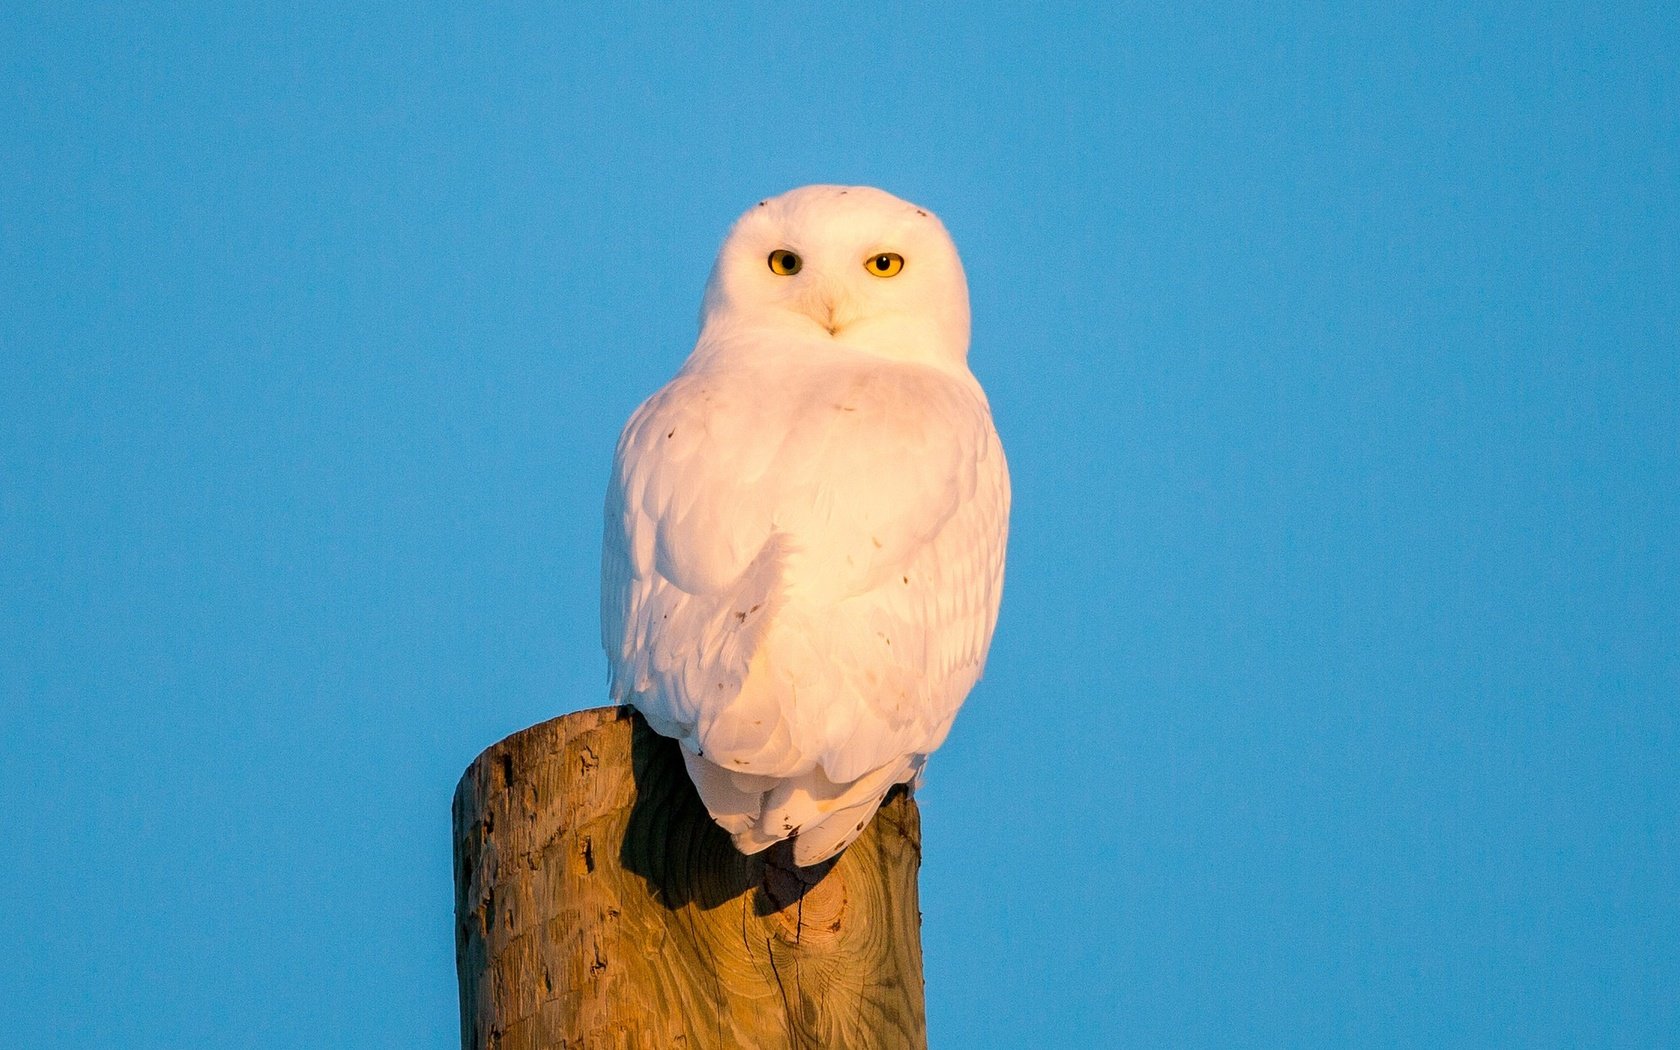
851,264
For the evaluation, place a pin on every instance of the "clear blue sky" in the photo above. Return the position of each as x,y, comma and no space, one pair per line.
1336,697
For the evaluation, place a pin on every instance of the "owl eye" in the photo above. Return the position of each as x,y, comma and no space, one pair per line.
785,263
887,264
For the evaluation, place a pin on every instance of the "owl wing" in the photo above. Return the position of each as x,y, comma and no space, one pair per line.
895,658
688,564
917,640
951,604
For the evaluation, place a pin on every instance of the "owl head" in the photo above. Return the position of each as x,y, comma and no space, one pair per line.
852,264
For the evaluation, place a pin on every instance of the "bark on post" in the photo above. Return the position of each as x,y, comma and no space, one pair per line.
597,905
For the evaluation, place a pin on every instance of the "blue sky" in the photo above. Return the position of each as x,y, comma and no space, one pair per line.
1336,696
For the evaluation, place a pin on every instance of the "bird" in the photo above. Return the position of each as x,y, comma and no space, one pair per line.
803,552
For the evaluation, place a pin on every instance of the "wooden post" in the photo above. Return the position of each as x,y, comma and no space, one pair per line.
597,905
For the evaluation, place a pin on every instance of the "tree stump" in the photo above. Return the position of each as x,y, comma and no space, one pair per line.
598,905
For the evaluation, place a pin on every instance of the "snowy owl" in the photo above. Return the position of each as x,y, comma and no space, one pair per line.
805,528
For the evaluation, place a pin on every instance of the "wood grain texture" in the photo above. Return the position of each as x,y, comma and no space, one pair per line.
597,905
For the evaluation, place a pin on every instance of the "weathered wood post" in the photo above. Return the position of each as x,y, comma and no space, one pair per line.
597,905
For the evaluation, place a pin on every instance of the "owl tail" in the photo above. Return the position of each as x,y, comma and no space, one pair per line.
821,817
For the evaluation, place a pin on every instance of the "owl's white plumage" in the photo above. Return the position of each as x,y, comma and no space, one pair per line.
805,528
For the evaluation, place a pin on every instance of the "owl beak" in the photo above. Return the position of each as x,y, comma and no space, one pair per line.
829,306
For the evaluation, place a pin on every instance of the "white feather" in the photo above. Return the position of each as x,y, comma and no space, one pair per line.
805,529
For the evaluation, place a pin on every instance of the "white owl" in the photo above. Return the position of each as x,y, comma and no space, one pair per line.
805,528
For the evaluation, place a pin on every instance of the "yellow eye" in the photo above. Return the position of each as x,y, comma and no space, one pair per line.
784,262
887,264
